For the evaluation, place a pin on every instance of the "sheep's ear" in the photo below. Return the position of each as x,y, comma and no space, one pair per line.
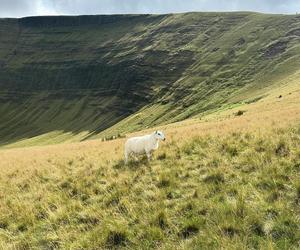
156,132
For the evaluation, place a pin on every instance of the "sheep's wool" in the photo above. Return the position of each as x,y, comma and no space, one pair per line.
143,144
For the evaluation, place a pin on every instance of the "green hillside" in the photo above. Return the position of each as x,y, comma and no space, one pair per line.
71,77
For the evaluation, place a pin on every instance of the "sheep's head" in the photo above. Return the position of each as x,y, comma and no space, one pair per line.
159,135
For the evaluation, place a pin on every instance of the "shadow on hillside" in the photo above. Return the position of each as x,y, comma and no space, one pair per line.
39,114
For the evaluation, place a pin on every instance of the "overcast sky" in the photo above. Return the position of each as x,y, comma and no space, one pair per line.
20,8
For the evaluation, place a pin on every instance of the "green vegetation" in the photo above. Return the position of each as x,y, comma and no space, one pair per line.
73,78
239,191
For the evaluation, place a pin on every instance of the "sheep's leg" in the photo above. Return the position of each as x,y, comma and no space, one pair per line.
126,157
148,156
135,157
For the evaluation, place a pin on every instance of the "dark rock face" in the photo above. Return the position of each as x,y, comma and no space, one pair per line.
294,32
275,49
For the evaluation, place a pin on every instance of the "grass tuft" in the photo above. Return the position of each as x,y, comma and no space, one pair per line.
239,113
189,231
217,178
116,239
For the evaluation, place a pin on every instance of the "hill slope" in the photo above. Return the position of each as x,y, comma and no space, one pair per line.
70,78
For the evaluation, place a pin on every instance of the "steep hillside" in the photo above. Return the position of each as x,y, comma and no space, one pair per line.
71,78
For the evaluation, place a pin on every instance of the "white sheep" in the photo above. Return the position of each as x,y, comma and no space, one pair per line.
143,144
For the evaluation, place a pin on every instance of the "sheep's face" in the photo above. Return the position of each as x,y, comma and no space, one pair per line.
159,135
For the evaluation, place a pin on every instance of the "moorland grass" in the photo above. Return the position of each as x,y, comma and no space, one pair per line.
234,191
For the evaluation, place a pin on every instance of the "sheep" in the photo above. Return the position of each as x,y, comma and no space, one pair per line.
143,144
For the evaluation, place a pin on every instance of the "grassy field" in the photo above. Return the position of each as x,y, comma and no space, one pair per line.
239,191
229,181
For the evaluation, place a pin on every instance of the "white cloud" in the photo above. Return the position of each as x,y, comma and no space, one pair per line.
46,8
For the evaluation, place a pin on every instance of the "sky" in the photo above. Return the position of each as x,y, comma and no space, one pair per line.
21,8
